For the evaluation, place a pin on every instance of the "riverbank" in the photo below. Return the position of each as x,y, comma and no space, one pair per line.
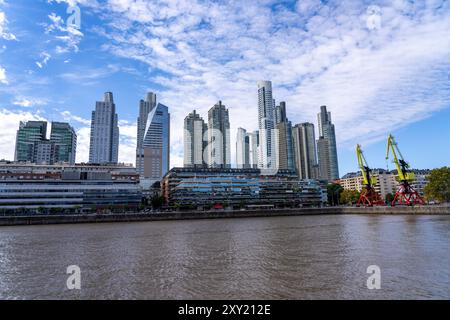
136,217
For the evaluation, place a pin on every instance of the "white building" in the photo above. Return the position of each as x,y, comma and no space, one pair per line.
195,141
145,107
104,142
267,149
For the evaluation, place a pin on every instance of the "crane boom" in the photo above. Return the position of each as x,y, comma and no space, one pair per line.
369,196
405,194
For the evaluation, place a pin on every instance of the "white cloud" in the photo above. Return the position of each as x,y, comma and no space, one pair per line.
373,80
3,27
3,78
45,57
28,102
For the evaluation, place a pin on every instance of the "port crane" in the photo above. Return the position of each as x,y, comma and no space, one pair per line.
405,195
369,197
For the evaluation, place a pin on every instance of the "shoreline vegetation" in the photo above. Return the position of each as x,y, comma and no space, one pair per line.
38,219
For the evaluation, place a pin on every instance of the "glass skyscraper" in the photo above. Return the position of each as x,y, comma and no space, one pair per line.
145,107
219,152
64,138
267,150
327,150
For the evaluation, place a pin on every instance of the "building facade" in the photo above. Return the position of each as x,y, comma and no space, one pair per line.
305,151
28,135
243,149
253,141
145,107
327,150
284,146
156,144
219,145
64,138
267,150
237,188
68,187
104,140
195,141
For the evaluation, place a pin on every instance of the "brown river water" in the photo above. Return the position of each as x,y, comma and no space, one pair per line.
303,257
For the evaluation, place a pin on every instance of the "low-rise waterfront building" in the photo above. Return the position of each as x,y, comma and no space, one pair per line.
28,187
219,187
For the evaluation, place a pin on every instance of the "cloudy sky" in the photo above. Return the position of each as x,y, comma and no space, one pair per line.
379,66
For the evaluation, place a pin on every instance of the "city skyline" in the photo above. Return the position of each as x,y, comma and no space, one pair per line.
58,80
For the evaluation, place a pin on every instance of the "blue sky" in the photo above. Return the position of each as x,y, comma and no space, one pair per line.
379,66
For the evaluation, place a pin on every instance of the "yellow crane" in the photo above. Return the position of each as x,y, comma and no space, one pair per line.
369,197
405,194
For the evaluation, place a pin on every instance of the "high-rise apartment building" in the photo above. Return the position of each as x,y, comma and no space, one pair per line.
195,141
104,142
33,146
243,149
156,144
64,138
267,149
219,151
253,141
284,148
327,150
145,107
305,151
28,136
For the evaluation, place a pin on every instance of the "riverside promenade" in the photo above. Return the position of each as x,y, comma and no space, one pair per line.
219,214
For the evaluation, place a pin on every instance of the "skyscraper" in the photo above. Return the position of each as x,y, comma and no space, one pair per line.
284,148
243,149
104,142
267,153
327,150
253,141
145,107
195,141
28,135
219,151
156,143
64,138
305,151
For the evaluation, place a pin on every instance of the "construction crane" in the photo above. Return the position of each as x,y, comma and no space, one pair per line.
369,197
405,195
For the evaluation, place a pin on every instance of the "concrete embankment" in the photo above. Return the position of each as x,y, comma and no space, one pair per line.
135,217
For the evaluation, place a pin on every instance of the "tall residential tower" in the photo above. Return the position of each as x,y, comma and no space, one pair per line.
104,142
327,150
267,150
219,151
195,141
145,107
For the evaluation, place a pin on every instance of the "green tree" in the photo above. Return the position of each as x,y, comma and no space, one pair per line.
389,198
438,187
157,202
334,191
350,196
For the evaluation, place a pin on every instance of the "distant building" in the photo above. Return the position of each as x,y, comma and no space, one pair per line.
104,141
243,149
156,144
64,138
327,150
284,146
305,151
195,141
145,107
28,135
237,188
68,187
386,181
253,142
219,145
33,146
266,123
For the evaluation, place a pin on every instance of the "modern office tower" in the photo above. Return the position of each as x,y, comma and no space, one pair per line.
104,142
219,151
328,161
64,138
195,141
284,148
305,151
243,149
28,135
253,148
156,143
267,153
44,152
145,107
